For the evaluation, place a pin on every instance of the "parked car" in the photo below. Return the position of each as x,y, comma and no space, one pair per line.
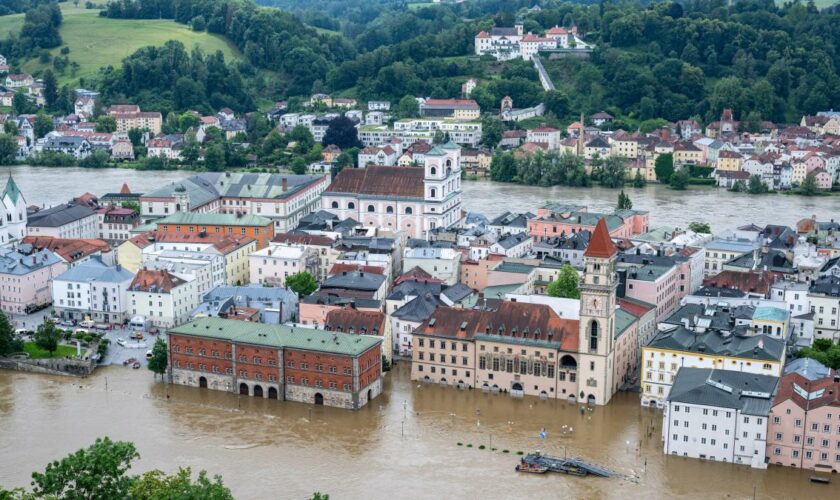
148,354
121,341
88,323
66,322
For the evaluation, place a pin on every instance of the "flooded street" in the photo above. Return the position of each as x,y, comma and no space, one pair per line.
270,449
722,209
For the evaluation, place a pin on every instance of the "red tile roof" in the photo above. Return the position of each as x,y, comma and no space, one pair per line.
382,181
749,282
830,395
70,250
348,319
416,274
347,268
152,280
600,244
510,320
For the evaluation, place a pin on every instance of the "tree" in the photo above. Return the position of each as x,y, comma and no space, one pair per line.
679,180
303,139
756,185
809,185
96,472
47,336
624,202
824,351
131,205
214,157
10,127
407,108
135,135
43,125
155,485
639,181
557,102
343,161
22,105
342,132
302,283
566,284
298,166
8,149
50,89
613,172
106,123
700,227
664,167
8,344
491,130
158,361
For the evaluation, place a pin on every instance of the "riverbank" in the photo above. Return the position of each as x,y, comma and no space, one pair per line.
46,186
407,439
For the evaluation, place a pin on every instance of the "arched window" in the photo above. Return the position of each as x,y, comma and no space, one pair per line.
389,209
593,335
370,208
433,171
408,211
448,163
434,193
351,205
334,204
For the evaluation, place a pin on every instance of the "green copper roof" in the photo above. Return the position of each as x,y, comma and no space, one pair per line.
450,145
768,313
11,189
436,151
278,336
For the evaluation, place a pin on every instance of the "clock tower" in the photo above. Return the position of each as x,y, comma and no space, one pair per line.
597,318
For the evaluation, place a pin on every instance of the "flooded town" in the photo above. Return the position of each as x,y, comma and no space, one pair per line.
383,249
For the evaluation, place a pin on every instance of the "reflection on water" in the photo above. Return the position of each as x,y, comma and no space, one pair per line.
407,439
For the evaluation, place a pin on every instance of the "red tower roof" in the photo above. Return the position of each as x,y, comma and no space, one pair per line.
600,244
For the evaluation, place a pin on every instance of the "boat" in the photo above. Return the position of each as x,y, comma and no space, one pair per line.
572,466
820,479
532,468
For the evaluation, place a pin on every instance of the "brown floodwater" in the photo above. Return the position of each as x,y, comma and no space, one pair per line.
404,445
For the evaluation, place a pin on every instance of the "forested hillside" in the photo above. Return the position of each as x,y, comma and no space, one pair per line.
652,60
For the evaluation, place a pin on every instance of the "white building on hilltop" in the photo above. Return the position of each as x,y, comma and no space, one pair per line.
410,199
510,43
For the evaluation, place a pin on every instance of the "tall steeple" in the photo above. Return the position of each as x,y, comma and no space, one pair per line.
597,317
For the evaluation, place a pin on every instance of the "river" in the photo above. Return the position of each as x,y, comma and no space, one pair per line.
271,449
49,186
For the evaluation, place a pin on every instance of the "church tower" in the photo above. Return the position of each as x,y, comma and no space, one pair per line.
597,318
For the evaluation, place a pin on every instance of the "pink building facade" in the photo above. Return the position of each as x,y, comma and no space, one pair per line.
804,424
26,280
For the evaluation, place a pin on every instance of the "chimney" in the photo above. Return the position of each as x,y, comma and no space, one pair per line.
285,184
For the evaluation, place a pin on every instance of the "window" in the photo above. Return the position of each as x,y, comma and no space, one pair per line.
351,205
334,204
370,208
389,209
408,211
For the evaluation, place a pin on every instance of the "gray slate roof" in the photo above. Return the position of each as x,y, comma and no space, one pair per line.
355,281
18,264
759,347
750,393
808,368
59,215
94,269
419,309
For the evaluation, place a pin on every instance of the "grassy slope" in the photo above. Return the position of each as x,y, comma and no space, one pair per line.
98,41
36,352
